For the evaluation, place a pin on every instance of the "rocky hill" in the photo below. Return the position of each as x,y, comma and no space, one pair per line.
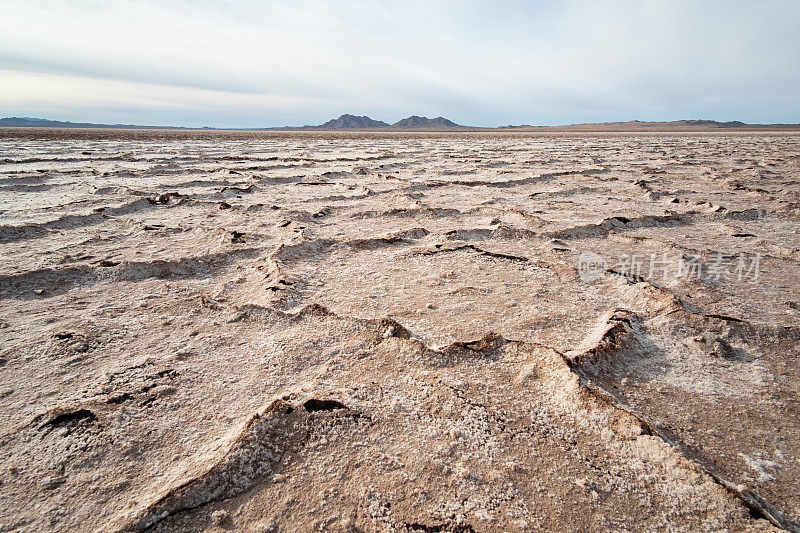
416,122
364,122
30,122
353,122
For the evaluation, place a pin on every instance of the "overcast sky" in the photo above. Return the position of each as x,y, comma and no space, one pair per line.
270,63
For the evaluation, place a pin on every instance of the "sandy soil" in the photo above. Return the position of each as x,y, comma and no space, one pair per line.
398,332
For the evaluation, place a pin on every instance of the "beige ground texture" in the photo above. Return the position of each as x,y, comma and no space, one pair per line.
392,332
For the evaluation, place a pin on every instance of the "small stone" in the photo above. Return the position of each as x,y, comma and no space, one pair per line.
80,347
463,472
164,390
52,482
219,517
266,527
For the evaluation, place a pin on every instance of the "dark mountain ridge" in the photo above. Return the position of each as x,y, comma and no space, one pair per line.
31,122
353,122
414,122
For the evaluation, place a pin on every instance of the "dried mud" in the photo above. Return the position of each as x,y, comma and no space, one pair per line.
288,332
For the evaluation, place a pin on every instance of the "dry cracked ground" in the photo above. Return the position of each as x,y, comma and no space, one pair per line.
301,332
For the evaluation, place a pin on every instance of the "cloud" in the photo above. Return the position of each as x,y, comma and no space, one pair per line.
276,62
39,89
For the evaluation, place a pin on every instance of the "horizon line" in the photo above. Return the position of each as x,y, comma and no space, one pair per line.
695,122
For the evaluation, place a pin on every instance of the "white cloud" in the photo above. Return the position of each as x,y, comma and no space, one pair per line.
269,63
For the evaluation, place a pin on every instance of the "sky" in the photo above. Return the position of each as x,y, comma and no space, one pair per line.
484,63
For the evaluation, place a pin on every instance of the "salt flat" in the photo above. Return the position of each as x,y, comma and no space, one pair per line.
399,332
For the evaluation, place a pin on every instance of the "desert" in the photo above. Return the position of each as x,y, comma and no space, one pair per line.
399,331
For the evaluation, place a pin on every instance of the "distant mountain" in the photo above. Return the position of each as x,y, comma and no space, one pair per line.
414,122
346,122
639,125
30,122
678,123
22,122
417,122
714,123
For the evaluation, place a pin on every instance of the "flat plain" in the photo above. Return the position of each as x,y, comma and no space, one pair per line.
399,332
